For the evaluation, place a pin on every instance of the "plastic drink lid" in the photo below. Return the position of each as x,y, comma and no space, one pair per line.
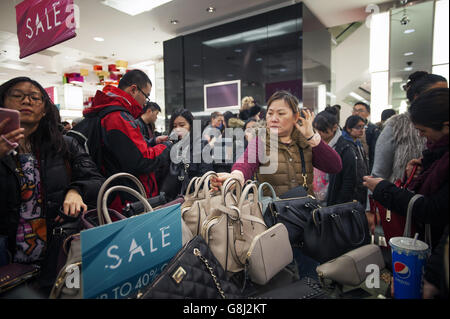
408,243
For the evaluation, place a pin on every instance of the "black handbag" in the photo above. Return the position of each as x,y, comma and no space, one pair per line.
334,230
137,208
55,257
193,273
294,213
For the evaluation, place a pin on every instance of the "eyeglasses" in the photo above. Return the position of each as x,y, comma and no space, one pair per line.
358,110
147,97
35,98
360,127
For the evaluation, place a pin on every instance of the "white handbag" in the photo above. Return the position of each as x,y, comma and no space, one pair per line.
269,253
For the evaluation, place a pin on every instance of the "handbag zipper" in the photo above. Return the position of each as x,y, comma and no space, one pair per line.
314,211
275,213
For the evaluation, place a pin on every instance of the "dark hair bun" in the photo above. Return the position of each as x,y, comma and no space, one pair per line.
417,75
331,109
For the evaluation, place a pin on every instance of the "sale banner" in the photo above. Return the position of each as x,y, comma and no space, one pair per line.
124,257
44,23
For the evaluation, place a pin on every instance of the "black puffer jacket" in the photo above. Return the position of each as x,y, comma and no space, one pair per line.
178,175
56,179
347,186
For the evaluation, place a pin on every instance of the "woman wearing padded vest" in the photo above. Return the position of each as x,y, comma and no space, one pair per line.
288,167
283,170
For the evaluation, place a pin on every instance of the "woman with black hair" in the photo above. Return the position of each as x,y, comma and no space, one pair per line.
347,184
399,141
326,124
429,113
186,156
50,179
422,81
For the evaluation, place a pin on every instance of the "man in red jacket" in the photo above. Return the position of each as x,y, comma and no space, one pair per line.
123,146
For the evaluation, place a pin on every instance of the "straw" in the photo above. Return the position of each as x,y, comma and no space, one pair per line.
415,238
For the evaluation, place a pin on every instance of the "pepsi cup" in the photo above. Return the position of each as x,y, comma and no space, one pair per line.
408,263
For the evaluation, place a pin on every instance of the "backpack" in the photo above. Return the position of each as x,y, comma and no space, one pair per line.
89,133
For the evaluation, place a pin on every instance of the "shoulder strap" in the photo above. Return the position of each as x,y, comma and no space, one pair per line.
302,159
110,109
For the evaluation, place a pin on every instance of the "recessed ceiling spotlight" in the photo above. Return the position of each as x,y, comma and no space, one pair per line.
99,39
408,53
409,31
210,9
174,21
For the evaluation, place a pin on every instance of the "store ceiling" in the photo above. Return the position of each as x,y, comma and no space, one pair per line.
139,38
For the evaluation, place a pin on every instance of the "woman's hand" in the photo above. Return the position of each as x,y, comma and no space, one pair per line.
9,141
410,167
371,221
73,204
371,182
217,182
307,123
429,290
162,138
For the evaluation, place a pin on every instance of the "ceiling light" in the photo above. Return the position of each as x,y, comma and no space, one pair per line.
39,67
174,21
408,68
358,97
408,53
134,7
210,9
276,30
409,31
99,39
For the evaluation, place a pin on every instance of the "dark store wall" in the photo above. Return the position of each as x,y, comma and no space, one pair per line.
264,52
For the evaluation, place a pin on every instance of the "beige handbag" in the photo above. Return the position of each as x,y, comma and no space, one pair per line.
204,202
350,268
268,254
229,230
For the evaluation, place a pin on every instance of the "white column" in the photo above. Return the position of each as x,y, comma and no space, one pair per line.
440,39
379,64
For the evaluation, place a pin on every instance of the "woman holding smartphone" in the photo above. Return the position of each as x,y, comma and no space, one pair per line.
50,180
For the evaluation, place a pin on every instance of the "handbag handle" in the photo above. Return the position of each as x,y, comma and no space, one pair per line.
193,180
337,220
125,189
260,191
407,230
105,185
411,177
226,187
245,193
200,182
211,272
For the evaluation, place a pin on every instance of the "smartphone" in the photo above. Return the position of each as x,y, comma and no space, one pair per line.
301,112
13,123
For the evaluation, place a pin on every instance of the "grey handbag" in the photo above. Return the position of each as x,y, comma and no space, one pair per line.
350,268
266,200
268,254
